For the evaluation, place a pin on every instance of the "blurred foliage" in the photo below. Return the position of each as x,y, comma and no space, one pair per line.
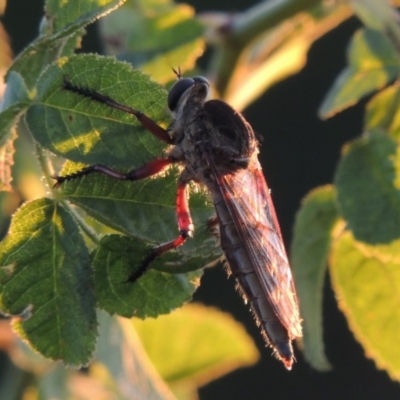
60,263
362,216
373,63
218,344
153,36
314,226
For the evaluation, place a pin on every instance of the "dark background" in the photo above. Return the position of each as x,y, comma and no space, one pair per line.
299,153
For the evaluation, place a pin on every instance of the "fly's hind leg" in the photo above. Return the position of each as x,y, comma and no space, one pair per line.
185,225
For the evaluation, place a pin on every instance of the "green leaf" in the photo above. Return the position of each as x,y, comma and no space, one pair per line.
61,32
154,293
368,188
382,112
312,239
84,130
46,281
71,15
373,62
203,344
37,56
153,36
366,280
14,104
375,14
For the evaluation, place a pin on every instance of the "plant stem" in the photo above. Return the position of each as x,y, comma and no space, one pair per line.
45,164
247,26
90,233
266,15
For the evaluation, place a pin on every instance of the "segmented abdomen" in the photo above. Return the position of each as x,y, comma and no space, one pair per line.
241,267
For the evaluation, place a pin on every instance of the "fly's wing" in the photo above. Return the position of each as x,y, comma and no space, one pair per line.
247,198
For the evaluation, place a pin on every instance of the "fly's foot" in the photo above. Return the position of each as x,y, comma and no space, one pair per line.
144,266
84,171
59,180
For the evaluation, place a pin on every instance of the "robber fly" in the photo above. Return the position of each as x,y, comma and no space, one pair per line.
218,149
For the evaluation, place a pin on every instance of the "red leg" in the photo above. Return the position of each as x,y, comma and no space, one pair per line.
185,222
185,225
149,169
148,123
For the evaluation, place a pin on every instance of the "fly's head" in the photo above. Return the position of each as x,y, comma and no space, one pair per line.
197,89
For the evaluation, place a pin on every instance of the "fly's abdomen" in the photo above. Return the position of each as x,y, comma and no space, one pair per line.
275,334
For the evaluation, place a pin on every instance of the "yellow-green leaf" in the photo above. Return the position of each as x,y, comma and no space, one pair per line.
383,111
196,343
373,62
366,280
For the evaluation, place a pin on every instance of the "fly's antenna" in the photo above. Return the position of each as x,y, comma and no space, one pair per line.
178,72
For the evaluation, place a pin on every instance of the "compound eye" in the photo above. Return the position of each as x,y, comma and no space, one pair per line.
177,90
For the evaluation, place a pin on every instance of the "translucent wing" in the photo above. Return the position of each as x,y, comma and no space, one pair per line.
248,200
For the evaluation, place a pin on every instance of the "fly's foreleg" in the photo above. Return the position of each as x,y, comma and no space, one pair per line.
185,225
145,171
159,132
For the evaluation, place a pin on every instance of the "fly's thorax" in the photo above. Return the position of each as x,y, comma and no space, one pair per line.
211,127
190,134
232,140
